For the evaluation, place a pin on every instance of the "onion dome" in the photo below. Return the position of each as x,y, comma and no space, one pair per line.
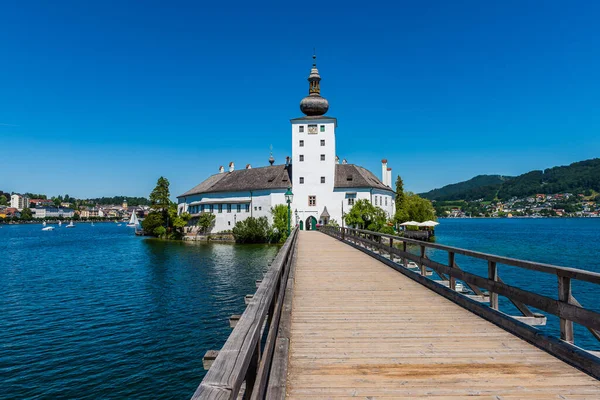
314,104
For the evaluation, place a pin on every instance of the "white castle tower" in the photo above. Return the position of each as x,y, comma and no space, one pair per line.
313,153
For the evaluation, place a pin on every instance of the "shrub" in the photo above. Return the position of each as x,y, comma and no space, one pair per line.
253,230
151,222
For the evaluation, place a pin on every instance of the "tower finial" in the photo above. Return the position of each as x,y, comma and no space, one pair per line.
314,104
271,159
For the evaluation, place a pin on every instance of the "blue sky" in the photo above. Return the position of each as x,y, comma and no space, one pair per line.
102,98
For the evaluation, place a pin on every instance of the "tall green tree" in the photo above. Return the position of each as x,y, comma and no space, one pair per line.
160,196
280,222
3,200
401,214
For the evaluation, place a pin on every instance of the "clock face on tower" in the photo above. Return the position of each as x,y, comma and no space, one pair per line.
312,129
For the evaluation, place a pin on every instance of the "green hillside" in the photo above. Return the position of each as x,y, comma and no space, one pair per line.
481,186
579,177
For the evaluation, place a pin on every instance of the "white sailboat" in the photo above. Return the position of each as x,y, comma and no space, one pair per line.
59,223
71,225
44,223
133,221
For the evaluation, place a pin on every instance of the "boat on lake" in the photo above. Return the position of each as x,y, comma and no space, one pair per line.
48,228
71,225
133,221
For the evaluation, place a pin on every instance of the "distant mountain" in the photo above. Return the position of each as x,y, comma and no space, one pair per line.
579,177
481,186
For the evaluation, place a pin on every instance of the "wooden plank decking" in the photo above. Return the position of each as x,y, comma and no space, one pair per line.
362,330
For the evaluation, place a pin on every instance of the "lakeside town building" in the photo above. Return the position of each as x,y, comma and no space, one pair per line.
320,183
19,201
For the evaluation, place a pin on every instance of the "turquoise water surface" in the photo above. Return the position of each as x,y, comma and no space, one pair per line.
95,312
567,242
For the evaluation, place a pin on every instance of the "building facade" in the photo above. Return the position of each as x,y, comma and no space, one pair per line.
19,202
323,186
52,212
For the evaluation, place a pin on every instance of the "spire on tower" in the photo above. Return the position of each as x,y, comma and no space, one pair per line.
314,104
271,159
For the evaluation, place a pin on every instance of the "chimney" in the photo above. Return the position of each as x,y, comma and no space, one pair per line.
337,160
248,166
384,178
344,161
389,177
287,161
221,169
231,167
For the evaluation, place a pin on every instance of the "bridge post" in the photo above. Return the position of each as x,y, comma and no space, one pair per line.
493,276
564,295
391,249
452,283
423,271
404,258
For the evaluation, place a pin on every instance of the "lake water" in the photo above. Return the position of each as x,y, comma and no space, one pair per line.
95,312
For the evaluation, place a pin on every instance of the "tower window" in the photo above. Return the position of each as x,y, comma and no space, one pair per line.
239,208
322,142
322,128
301,179
312,201
228,208
248,207
301,128
322,179
302,143
220,208
350,201
301,157
322,157
386,200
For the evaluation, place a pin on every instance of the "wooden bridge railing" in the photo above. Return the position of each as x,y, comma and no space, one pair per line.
243,358
565,307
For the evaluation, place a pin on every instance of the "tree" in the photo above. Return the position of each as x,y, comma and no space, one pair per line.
26,214
418,209
206,221
280,222
151,222
3,200
401,214
159,198
365,215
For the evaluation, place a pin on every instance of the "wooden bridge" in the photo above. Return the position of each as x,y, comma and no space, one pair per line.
338,315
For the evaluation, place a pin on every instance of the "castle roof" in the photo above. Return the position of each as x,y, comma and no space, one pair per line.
280,177
262,178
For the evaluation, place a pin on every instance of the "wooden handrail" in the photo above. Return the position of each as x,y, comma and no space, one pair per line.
573,273
566,307
242,358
